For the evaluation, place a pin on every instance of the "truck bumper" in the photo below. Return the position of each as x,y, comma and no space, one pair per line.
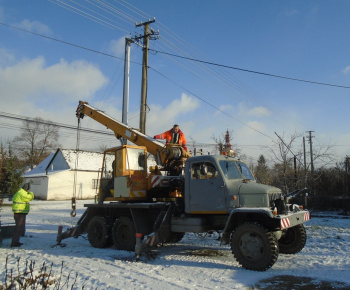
293,219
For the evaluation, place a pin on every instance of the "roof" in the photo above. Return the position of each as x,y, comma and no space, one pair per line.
65,159
87,160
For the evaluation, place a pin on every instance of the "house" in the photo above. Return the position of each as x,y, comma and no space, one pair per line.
54,177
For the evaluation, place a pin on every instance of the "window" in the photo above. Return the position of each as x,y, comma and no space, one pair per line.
95,183
135,159
230,170
245,171
235,170
107,170
203,170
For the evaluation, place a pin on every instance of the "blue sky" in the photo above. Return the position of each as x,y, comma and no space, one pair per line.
307,40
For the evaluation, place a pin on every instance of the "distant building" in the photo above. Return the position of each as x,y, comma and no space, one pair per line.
53,178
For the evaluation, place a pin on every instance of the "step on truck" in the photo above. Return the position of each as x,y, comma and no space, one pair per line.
142,206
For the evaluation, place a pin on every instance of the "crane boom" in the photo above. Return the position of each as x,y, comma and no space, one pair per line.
162,153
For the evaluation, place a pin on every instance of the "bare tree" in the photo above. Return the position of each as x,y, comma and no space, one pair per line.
286,175
193,145
102,147
323,155
37,139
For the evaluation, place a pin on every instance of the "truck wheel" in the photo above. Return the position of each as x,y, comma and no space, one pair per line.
293,240
123,233
254,247
98,232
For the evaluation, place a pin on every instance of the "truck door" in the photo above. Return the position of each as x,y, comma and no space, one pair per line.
206,189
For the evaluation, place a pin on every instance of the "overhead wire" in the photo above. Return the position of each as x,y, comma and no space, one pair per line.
141,13
239,87
218,109
203,100
87,15
256,72
229,79
113,12
236,85
167,79
114,9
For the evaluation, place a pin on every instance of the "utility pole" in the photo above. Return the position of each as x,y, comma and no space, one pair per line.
147,35
346,183
305,169
311,155
311,162
347,174
128,42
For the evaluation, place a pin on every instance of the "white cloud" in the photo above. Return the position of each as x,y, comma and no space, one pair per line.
252,128
6,56
259,112
34,26
160,119
225,108
117,47
31,81
346,70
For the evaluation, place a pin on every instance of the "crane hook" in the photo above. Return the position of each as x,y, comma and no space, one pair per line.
73,212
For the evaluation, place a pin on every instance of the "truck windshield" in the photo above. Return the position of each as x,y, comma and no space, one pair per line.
235,170
245,171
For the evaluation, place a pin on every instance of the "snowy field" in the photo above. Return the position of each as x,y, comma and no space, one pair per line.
197,262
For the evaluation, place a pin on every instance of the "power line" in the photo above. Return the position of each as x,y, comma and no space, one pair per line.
62,41
60,125
183,57
216,108
178,56
251,71
75,45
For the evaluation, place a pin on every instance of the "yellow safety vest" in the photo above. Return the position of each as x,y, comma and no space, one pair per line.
20,201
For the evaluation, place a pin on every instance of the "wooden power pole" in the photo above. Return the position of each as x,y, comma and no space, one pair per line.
311,154
147,35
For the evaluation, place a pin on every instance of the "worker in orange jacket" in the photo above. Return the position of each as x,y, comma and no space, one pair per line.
173,136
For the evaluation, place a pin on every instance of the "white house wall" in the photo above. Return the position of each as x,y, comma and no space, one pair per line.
61,185
38,186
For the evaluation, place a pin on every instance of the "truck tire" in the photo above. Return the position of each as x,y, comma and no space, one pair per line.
123,233
293,240
254,247
98,232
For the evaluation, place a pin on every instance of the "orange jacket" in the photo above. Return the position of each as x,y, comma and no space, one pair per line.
174,138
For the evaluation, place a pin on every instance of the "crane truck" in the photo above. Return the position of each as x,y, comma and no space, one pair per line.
140,207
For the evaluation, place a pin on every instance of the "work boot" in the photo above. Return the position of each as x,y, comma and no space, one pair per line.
16,245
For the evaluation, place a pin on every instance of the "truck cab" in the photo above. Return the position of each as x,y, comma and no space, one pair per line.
217,184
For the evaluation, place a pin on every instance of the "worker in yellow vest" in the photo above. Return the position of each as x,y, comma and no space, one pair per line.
20,208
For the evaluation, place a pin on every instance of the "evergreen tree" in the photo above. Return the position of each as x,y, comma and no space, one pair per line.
10,171
262,171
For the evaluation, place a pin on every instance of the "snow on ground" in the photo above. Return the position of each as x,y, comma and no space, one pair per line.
197,262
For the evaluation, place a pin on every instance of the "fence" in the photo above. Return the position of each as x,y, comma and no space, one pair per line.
324,203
